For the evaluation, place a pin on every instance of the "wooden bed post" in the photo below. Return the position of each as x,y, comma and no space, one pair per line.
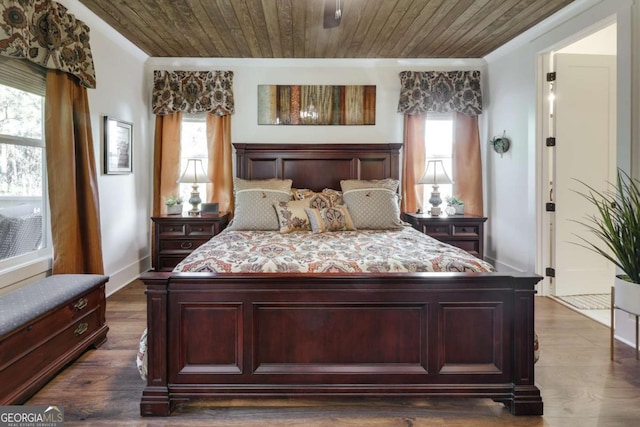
525,399
155,397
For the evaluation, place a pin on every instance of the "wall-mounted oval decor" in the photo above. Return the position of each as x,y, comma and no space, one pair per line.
501,144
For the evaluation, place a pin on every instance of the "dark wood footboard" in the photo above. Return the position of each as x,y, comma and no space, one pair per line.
421,334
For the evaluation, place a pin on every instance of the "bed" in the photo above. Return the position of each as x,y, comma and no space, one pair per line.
334,332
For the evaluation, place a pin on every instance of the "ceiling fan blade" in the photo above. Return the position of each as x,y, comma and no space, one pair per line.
332,13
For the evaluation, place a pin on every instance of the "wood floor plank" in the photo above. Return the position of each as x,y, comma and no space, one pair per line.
580,386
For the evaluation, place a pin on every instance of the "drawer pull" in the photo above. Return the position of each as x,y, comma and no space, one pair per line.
82,303
81,329
186,245
199,229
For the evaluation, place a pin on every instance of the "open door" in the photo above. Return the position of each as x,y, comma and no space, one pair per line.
585,131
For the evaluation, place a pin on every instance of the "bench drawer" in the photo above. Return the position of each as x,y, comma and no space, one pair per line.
40,357
38,330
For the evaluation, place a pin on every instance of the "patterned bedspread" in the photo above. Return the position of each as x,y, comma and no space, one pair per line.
367,251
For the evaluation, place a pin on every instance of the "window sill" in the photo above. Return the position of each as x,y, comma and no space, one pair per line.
17,270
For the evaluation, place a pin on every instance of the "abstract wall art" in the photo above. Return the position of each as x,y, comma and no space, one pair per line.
316,105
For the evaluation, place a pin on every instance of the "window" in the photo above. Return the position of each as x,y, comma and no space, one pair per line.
439,145
23,184
193,144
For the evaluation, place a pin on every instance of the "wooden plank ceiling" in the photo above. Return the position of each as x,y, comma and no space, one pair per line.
294,28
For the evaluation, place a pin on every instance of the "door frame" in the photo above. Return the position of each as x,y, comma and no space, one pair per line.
544,129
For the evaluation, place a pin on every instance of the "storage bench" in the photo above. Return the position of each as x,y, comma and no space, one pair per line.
44,326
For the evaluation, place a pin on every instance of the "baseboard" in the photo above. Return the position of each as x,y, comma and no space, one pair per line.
123,277
503,267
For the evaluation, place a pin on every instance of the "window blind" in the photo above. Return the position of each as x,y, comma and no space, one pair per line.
22,74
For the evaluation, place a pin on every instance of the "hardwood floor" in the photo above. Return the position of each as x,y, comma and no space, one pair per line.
580,386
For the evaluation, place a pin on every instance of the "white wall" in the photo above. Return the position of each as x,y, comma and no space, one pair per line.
249,73
124,199
512,101
511,97
602,42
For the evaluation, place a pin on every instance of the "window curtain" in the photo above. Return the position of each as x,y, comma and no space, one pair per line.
72,177
41,31
457,92
413,161
177,92
467,163
219,167
166,160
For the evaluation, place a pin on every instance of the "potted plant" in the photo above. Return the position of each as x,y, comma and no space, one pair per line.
457,204
617,225
174,205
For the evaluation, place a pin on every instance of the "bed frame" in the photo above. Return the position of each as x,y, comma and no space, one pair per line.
319,335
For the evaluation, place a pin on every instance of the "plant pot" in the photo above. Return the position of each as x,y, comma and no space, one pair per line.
627,295
459,209
174,209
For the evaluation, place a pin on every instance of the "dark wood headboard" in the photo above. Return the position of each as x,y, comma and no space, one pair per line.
317,166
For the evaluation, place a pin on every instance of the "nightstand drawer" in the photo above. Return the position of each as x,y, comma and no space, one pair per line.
167,263
176,236
181,245
467,230
471,246
463,231
436,230
201,229
171,230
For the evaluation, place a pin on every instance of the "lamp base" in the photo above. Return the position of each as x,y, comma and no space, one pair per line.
195,201
435,211
435,201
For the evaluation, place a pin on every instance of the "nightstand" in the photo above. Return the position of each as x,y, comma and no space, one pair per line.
176,236
463,231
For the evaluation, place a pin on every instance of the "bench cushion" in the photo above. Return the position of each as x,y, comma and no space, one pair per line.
30,301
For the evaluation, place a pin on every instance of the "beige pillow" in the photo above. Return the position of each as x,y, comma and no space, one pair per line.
354,184
262,184
374,208
254,201
254,209
292,215
330,219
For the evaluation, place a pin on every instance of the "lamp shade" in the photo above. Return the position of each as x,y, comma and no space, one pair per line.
435,174
194,173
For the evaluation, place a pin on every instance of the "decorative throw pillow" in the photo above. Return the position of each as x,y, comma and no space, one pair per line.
254,209
330,219
326,199
261,184
254,201
292,215
334,195
374,209
355,184
302,193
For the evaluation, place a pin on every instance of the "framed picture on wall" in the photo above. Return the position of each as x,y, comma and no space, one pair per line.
118,146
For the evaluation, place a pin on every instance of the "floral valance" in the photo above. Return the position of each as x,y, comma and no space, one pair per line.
440,92
42,32
193,92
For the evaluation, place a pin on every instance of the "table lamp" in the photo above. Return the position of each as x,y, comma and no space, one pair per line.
435,175
194,175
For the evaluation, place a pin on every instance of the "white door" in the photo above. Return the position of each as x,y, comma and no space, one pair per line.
585,126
